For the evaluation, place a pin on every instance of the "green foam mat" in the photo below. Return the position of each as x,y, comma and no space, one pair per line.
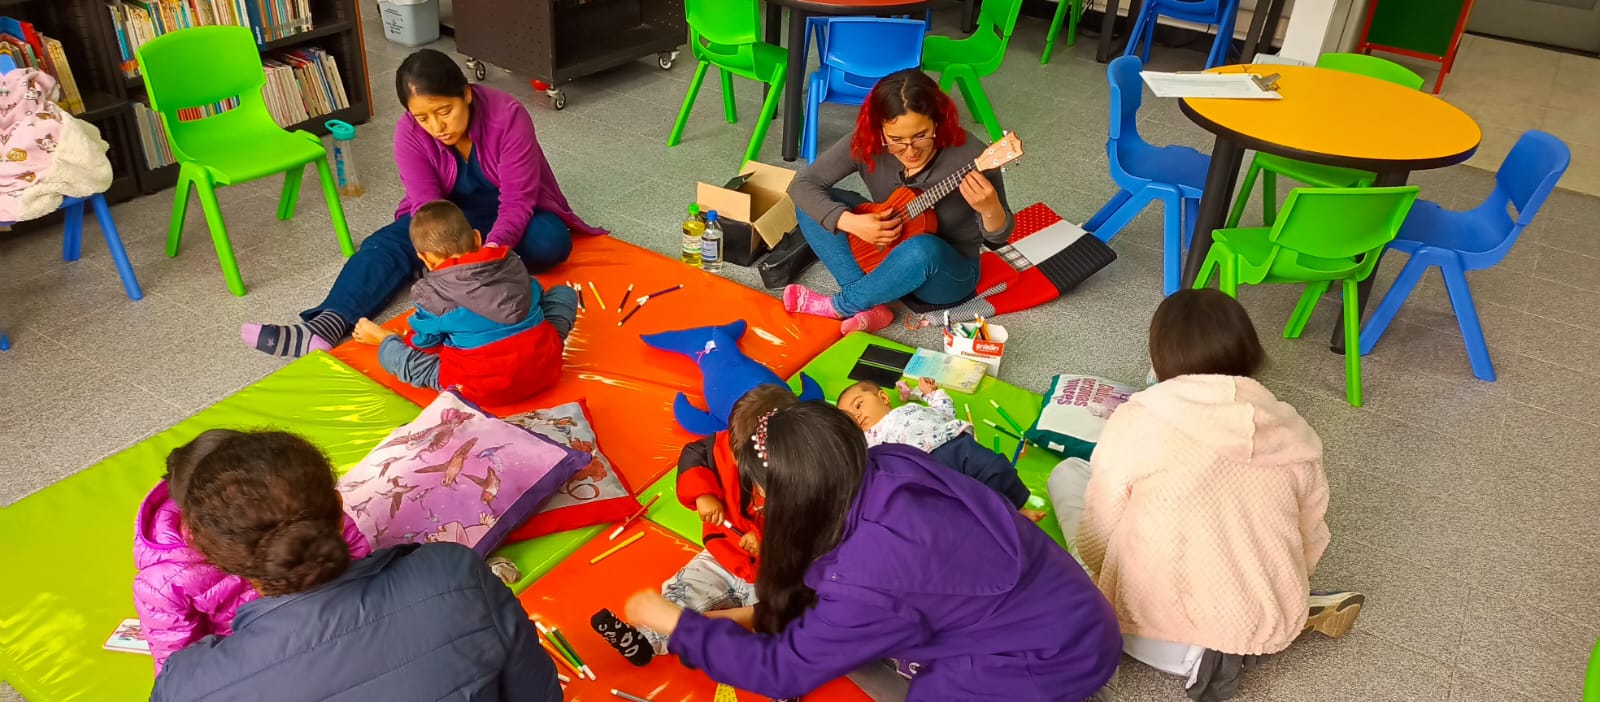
670,514
831,370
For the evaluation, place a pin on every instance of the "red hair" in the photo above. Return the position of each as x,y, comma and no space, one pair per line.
908,91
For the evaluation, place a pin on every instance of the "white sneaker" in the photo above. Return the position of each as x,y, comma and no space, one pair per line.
1334,613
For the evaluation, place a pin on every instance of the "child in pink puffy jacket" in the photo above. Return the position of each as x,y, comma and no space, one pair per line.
181,597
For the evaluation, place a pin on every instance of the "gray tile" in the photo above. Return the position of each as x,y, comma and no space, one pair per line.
1465,686
1358,666
78,427
1403,597
1544,661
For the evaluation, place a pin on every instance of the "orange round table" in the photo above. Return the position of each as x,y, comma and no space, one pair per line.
1328,117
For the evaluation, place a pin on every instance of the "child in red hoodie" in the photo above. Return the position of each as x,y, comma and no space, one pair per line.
481,324
719,581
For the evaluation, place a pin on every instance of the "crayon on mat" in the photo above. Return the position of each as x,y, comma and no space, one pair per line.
969,414
567,657
635,311
659,293
559,658
628,697
573,650
624,544
597,299
624,303
1001,429
1006,416
634,517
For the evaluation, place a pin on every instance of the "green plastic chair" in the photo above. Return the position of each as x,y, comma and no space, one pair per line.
1591,686
967,59
727,34
203,66
1068,11
1270,166
1325,235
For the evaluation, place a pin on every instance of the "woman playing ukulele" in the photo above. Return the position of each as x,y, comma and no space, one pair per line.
907,134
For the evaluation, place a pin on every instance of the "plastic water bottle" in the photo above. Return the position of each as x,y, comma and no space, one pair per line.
344,158
693,229
711,244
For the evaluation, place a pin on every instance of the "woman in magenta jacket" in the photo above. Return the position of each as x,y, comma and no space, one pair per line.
884,553
469,144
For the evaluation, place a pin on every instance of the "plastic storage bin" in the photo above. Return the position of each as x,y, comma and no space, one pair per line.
410,22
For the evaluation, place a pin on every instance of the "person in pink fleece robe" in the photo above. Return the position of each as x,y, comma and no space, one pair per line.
182,598
1202,505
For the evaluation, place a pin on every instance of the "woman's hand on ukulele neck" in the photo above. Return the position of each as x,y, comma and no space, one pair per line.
876,228
981,195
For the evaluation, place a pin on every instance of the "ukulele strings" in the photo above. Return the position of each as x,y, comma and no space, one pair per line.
931,196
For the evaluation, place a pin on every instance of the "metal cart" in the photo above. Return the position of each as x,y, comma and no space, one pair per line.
556,41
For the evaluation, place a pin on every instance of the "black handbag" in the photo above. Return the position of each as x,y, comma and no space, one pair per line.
791,257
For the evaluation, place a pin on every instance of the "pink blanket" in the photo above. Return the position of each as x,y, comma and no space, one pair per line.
45,153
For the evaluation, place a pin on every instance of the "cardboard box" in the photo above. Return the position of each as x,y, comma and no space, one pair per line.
754,209
987,352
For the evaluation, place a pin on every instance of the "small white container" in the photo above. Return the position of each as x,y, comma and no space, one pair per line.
410,22
987,352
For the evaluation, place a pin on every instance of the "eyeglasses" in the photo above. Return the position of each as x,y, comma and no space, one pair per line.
900,147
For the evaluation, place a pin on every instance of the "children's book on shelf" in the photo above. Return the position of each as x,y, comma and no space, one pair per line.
950,372
128,638
28,48
139,21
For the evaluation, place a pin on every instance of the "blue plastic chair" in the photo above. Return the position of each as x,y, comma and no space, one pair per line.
72,243
1173,175
1476,239
859,53
1218,13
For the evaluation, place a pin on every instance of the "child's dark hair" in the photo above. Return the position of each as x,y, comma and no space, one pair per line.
747,411
861,385
262,505
429,73
441,229
182,461
816,459
1203,331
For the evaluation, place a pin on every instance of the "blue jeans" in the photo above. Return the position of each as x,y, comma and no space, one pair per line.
387,261
924,267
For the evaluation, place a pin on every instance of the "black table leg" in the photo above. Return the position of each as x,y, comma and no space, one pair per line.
969,16
1226,157
774,34
793,83
1364,288
1108,29
1263,23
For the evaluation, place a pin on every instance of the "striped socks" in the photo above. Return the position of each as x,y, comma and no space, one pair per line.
296,340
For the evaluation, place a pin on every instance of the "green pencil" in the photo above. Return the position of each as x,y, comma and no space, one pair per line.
568,646
1006,416
997,444
561,648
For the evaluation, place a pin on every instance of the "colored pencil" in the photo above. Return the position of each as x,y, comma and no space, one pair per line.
730,527
997,445
983,329
1022,450
563,678
1001,429
635,311
1007,416
634,517
659,293
560,658
628,697
574,651
625,295
597,299
618,547
562,654
578,289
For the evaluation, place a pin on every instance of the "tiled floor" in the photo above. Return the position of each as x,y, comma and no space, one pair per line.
1465,510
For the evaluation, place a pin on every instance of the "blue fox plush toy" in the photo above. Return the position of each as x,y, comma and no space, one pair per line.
726,372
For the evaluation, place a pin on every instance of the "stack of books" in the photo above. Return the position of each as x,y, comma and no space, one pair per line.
139,21
30,49
301,85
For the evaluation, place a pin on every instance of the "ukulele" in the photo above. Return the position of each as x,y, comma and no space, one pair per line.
915,207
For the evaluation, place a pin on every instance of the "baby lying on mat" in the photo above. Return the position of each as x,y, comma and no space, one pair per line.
934,428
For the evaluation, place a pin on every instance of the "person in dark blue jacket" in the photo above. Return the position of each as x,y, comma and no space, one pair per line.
410,622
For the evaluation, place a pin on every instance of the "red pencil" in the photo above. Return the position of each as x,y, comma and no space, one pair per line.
630,520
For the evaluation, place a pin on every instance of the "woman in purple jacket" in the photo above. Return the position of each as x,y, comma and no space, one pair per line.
884,553
469,144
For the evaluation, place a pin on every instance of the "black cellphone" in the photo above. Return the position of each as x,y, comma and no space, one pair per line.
886,357
884,377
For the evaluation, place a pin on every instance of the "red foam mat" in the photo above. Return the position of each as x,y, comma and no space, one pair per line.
571,592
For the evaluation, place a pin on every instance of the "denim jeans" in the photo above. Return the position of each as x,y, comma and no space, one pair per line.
387,261
924,267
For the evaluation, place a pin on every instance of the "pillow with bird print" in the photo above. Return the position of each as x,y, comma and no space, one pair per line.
596,494
455,474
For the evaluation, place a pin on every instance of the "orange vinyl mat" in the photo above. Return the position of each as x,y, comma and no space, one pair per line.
571,592
625,382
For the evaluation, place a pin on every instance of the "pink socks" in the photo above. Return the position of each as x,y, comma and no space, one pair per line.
871,320
799,298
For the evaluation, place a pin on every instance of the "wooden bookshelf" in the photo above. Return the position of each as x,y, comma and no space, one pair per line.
86,29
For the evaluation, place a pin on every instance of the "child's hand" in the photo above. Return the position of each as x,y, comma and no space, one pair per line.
750,543
650,610
927,386
368,332
710,509
1033,515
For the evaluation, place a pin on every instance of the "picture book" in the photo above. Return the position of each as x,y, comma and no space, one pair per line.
128,638
950,372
